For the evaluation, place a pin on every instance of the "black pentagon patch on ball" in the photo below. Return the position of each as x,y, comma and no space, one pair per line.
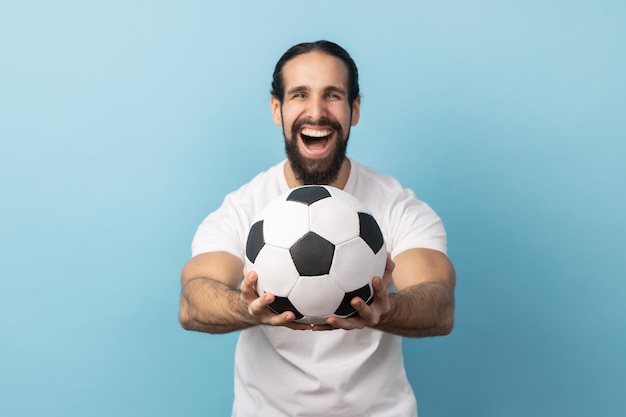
308,194
312,255
282,304
345,309
370,232
255,242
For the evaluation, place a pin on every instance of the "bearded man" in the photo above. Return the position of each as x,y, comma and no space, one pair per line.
344,367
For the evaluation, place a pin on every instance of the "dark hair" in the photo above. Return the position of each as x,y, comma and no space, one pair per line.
327,47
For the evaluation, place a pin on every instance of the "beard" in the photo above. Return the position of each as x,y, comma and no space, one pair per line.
322,171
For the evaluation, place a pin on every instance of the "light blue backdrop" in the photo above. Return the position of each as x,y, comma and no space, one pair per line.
123,123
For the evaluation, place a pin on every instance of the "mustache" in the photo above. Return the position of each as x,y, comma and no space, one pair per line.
322,121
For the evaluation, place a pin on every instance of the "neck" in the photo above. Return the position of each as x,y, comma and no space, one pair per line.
340,182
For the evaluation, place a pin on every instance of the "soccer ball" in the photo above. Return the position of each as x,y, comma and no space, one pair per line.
316,248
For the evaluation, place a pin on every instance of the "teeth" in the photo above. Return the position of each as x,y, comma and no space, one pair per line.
315,133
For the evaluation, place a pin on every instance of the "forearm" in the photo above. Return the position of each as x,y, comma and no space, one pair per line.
421,310
209,306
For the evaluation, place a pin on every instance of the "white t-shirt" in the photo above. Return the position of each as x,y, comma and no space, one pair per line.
280,372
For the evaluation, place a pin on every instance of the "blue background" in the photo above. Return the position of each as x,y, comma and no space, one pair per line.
123,124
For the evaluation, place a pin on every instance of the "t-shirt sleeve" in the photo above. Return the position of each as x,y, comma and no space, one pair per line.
221,231
414,224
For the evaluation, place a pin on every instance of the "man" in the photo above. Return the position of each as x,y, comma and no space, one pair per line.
345,367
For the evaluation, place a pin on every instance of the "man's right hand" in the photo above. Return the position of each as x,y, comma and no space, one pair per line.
258,306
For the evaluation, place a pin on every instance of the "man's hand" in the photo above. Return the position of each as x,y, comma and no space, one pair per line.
258,306
368,315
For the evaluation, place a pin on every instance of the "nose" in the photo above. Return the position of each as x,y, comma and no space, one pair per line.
316,108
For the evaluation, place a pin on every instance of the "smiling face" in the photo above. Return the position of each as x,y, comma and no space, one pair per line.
316,117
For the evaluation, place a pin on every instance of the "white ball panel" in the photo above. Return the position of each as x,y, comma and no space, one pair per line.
276,271
285,223
334,220
353,265
316,296
352,201
380,261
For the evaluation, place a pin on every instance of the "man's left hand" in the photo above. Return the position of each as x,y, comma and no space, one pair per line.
368,315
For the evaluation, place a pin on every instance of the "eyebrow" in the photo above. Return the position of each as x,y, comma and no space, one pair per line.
298,89
329,89
333,89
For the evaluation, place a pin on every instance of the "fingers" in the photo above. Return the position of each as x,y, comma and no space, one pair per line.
350,323
248,287
389,267
380,287
258,306
297,326
285,319
323,327
389,263
367,315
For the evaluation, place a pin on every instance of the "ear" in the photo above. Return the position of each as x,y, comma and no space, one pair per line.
276,113
356,111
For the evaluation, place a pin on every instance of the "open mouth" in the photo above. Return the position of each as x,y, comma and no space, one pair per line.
316,141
